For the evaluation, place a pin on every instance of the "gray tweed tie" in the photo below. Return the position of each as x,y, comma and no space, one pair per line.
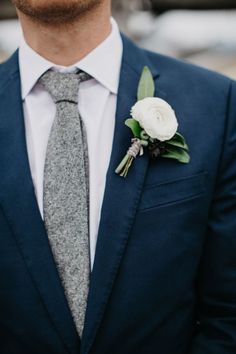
66,197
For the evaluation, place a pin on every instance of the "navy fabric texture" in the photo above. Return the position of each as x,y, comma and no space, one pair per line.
164,277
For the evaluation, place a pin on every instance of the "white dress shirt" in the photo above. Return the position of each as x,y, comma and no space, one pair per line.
97,106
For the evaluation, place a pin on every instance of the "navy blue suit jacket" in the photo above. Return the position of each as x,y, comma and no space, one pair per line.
164,277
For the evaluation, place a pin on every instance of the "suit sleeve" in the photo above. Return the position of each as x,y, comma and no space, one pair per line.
216,309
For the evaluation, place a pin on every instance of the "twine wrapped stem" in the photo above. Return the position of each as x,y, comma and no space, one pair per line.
135,149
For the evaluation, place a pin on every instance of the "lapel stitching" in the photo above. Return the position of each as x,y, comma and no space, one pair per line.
120,202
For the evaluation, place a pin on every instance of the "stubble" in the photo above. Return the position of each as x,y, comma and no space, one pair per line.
55,12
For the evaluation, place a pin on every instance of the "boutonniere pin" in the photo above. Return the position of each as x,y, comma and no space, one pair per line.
154,126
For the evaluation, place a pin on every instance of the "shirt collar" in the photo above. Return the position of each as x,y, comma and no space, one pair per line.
102,63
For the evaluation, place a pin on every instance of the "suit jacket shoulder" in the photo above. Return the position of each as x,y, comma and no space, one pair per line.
185,71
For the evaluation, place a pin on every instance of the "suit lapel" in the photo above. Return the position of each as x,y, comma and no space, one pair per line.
120,200
18,202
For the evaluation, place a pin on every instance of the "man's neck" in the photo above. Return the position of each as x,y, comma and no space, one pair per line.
65,45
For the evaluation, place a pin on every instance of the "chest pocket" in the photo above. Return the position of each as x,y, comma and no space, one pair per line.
173,191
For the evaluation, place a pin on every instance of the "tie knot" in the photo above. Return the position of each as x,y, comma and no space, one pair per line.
63,86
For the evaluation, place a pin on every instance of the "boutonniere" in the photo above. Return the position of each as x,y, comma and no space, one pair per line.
154,126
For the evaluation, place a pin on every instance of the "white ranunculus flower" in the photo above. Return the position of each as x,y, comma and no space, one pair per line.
156,117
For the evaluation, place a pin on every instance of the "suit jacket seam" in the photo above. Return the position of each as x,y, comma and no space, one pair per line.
224,140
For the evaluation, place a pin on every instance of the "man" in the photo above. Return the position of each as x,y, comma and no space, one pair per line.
160,244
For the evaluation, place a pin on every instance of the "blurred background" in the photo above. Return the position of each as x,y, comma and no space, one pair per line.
200,31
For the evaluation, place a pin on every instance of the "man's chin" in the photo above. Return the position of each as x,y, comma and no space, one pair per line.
55,12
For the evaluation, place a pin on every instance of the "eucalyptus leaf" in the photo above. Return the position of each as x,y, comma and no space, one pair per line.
177,154
134,126
146,86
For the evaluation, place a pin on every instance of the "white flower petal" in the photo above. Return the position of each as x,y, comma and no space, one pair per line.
156,117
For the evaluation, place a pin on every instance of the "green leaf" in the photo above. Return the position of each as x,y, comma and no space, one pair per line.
179,141
180,155
134,126
146,87
179,137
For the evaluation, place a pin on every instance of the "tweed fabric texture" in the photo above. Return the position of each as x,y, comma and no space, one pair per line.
66,209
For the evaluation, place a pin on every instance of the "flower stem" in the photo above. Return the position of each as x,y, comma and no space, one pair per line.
123,168
127,166
122,164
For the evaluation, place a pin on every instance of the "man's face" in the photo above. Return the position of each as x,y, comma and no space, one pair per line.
56,11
